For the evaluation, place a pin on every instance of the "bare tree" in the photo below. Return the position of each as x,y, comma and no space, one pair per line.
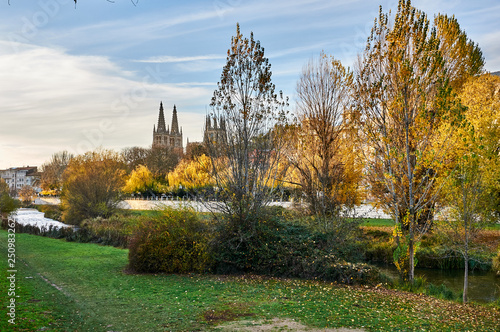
52,171
134,157
319,152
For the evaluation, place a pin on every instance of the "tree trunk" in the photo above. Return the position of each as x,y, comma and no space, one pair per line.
411,252
466,276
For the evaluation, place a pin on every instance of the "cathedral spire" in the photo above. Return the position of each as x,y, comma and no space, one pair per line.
161,120
175,124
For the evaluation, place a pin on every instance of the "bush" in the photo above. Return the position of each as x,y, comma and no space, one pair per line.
175,242
115,231
496,264
380,252
441,292
279,248
50,211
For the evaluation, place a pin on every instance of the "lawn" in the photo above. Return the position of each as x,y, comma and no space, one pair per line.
377,222
94,292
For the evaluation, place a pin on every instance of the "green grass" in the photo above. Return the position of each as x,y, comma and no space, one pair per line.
98,295
495,227
376,222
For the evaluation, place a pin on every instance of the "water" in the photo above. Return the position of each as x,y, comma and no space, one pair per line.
35,218
484,286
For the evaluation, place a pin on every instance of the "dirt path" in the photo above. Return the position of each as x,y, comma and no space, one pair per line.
276,325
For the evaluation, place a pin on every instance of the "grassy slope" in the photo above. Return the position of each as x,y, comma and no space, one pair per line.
97,295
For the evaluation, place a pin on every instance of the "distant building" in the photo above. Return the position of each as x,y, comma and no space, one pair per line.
215,130
167,137
18,177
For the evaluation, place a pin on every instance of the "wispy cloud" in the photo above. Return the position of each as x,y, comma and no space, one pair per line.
52,101
174,59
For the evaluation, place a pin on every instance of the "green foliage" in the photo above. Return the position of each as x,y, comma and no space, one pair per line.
176,242
441,292
421,286
380,252
50,211
496,264
275,247
7,203
114,231
378,247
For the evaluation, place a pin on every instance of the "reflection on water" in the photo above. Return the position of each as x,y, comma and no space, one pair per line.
483,286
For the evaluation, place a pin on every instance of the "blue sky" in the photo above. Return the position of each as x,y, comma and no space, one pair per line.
79,78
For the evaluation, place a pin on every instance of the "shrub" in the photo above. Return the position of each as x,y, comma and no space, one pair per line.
380,252
50,211
275,247
441,292
115,231
175,242
496,264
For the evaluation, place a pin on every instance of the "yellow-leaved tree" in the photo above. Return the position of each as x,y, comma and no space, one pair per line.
192,174
141,180
404,92
92,185
471,191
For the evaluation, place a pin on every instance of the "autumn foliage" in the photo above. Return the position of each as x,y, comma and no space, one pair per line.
92,185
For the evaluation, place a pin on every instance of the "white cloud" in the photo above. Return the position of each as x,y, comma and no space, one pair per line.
52,101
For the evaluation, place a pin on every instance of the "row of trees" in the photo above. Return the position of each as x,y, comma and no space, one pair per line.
414,128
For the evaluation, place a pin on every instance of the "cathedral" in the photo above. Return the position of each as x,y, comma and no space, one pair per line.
167,137
214,132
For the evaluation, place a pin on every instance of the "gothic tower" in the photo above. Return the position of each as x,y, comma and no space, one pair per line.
214,132
167,137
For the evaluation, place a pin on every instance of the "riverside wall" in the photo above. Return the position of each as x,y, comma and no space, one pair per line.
364,210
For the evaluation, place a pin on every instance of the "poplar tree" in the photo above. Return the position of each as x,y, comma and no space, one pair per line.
404,94
470,192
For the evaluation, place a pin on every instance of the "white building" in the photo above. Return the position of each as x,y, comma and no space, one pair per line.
18,177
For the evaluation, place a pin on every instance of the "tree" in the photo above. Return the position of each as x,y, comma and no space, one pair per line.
7,203
26,194
140,180
195,150
320,142
403,96
161,160
481,96
134,157
469,191
52,171
192,174
253,116
92,186
462,57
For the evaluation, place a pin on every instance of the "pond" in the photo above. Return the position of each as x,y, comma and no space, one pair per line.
484,286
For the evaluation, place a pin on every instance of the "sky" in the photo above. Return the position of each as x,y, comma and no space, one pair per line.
81,77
